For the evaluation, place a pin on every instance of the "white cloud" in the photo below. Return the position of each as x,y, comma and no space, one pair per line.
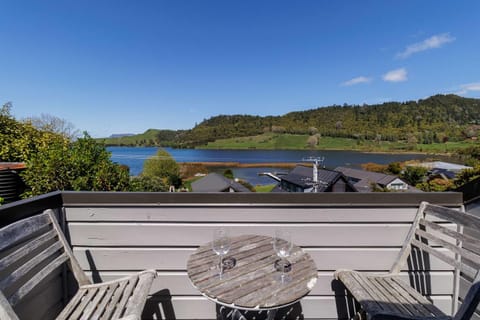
357,80
465,88
397,75
433,42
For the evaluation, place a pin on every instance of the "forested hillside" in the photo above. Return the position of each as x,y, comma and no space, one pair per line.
436,119
439,118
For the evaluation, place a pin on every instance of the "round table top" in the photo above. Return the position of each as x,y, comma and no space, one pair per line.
252,284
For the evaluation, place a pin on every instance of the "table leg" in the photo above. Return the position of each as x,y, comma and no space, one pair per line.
271,314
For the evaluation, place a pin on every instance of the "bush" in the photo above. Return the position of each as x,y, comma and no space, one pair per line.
160,165
147,184
80,165
414,175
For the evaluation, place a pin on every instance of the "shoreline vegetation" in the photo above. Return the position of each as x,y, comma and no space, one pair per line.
218,164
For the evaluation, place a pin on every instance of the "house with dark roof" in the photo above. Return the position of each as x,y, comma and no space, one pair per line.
300,179
214,182
366,181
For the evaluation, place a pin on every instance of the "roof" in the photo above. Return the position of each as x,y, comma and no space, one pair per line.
12,165
214,182
448,174
380,178
441,165
303,177
364,179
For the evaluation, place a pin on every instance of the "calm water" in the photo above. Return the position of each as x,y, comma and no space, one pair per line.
135,156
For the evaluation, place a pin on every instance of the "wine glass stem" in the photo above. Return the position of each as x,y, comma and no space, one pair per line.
221,264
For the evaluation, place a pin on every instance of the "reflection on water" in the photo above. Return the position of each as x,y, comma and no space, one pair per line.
135,156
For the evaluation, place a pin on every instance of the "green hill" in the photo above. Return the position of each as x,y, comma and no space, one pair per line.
437,119
151,137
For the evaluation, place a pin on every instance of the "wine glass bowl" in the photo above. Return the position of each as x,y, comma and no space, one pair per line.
221,245
282,244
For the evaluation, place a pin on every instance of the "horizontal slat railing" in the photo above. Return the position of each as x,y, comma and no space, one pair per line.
112,239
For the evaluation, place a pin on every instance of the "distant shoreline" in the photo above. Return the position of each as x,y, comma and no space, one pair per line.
213,164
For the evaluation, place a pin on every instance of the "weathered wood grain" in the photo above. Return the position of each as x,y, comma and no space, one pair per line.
146,234
35,248
238,214
252,283
388,296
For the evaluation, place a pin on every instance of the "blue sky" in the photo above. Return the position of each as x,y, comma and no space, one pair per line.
126,66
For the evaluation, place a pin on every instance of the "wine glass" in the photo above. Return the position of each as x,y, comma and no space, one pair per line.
282,244
221,245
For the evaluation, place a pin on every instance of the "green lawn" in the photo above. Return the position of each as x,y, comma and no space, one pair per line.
270,141
265,188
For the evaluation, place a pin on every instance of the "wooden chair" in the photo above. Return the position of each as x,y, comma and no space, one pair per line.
388,297
33,248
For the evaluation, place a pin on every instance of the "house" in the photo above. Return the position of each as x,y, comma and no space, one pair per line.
441,170
300,179
447,166
214,182
365,181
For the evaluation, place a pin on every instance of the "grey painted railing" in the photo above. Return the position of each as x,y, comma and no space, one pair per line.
113,234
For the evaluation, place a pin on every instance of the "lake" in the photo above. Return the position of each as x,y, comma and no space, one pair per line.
135,156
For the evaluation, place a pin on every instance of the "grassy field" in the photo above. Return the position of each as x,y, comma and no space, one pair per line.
299,142
265,188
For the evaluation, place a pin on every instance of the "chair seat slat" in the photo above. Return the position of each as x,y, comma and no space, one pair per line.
426,239
99,294
67,311
101,308
432,310
111,304
83,303
120,308
34,248
388,295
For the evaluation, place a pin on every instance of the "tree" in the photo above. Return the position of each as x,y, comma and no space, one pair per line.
19,140
47,122
162,165
394,168
414,175
228,173
80,165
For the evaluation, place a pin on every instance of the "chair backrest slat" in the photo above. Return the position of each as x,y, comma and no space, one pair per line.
453,216
26,250
6,311
472,243
456,264
22,229
447,245
33,250
36,279
30,265
454,247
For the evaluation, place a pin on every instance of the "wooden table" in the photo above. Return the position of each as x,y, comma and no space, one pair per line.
252,284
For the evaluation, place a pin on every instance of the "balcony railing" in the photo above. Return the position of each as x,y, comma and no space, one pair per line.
114,234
